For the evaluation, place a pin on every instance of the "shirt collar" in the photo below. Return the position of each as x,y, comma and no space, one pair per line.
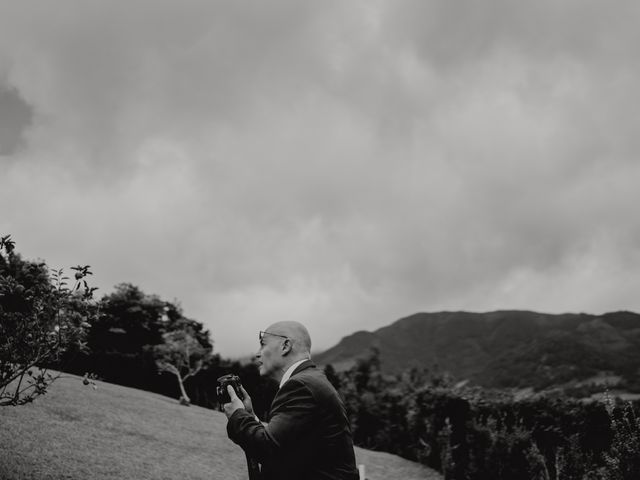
290,370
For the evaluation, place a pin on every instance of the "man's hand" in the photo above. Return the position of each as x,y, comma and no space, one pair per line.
247,400
236,403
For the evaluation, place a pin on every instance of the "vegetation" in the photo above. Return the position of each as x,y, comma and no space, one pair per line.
41,319
182,355
623,459
137,336
474,433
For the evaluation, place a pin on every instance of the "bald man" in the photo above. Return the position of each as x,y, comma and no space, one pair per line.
307,434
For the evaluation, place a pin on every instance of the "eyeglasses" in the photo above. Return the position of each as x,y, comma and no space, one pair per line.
262,334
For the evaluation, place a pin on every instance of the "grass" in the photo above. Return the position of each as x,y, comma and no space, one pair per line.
75,432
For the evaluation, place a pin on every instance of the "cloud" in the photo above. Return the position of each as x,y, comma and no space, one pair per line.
343,164
16,117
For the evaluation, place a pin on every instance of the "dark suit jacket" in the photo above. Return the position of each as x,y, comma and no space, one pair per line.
307,436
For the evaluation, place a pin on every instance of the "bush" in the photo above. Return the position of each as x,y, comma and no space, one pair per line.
623,459
477,434
40,319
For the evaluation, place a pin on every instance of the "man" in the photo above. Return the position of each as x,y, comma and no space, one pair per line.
307,434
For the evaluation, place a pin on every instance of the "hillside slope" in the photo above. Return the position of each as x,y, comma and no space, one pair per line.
78,433
503,348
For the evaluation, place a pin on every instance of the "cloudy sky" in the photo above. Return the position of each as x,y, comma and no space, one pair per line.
342,163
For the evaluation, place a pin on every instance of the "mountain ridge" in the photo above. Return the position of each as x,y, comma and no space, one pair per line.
503,348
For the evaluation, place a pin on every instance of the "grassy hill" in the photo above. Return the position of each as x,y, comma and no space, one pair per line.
504,348
76,433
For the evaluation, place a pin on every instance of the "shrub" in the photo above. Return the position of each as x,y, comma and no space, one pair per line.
478,434
623,459
41,317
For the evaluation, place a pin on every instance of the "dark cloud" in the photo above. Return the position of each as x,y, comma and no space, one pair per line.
339,163
459,33
15,118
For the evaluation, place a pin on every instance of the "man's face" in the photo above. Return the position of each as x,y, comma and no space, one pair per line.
269,355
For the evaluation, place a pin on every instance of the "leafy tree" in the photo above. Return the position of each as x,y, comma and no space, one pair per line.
129,322
182,354
40,318
362,388
623,459
139,335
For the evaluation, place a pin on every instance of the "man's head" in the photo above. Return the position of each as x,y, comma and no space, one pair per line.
281,345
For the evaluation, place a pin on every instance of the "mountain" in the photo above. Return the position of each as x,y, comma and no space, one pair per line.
504,348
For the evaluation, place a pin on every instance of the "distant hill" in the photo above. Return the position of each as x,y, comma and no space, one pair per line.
505,348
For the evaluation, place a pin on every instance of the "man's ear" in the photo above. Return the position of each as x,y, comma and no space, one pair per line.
286,347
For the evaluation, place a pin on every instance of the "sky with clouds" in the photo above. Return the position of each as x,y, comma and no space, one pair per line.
341,163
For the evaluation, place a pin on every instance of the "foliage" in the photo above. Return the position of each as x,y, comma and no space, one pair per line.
129,320
623,460
131,331
121,338
182,355
41,318
474,433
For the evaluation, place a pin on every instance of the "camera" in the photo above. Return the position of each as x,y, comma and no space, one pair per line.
221,389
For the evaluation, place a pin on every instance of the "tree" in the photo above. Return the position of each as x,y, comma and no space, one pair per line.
129,321
623,458
122,339
40,318
183,354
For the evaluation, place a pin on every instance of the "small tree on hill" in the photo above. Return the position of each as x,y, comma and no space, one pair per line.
40,318
183,353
